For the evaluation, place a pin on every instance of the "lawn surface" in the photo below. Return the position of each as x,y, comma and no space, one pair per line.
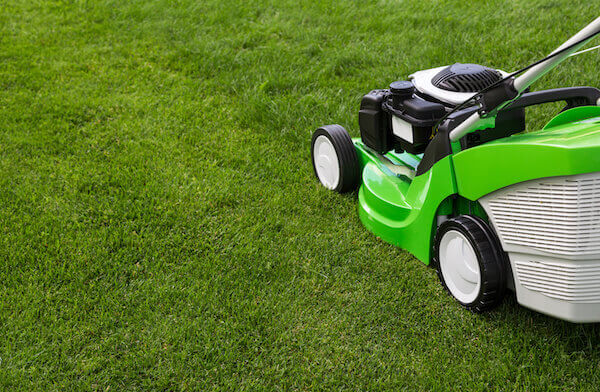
161,227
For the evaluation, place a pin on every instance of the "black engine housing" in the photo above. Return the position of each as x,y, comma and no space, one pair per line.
375,124
398,119
401,118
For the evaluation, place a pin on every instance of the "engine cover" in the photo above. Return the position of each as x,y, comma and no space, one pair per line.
456,83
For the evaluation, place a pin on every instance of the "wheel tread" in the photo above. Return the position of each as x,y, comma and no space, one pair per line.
347,157
490,256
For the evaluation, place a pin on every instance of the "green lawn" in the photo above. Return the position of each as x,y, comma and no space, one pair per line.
161,227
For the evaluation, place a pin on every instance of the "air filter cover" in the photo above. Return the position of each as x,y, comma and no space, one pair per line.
465,78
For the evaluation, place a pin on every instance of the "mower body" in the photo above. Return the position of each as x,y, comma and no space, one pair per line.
446,170
539,191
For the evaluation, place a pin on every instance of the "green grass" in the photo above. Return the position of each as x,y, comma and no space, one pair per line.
161,228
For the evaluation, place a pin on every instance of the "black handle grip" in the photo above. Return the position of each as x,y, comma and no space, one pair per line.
573,96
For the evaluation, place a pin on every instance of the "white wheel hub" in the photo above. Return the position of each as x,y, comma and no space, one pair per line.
459,266
326,162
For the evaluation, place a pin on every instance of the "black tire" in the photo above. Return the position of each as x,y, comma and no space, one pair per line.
349,168
490,258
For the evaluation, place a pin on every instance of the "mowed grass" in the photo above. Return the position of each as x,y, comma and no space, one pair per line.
161,227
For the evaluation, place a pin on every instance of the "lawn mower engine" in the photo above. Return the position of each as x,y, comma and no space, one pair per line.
402,118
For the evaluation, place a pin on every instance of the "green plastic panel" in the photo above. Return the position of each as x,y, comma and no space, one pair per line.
400,211
569,144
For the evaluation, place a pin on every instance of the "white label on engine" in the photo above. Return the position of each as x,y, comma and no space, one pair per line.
402,129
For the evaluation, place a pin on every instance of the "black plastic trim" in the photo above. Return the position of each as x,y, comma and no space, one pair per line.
439,147
493,98
573,96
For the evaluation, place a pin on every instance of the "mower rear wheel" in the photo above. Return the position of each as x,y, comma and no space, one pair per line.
470,262
334,158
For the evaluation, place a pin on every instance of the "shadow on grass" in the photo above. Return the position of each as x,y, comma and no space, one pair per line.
581,338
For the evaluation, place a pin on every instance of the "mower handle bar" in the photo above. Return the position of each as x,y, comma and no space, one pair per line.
522,82
573,96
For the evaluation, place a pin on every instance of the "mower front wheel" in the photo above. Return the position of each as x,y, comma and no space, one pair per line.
334,158
470,262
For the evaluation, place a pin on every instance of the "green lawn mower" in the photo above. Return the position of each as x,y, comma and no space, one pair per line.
445,171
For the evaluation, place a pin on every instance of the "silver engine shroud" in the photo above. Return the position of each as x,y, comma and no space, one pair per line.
422,80
550,229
